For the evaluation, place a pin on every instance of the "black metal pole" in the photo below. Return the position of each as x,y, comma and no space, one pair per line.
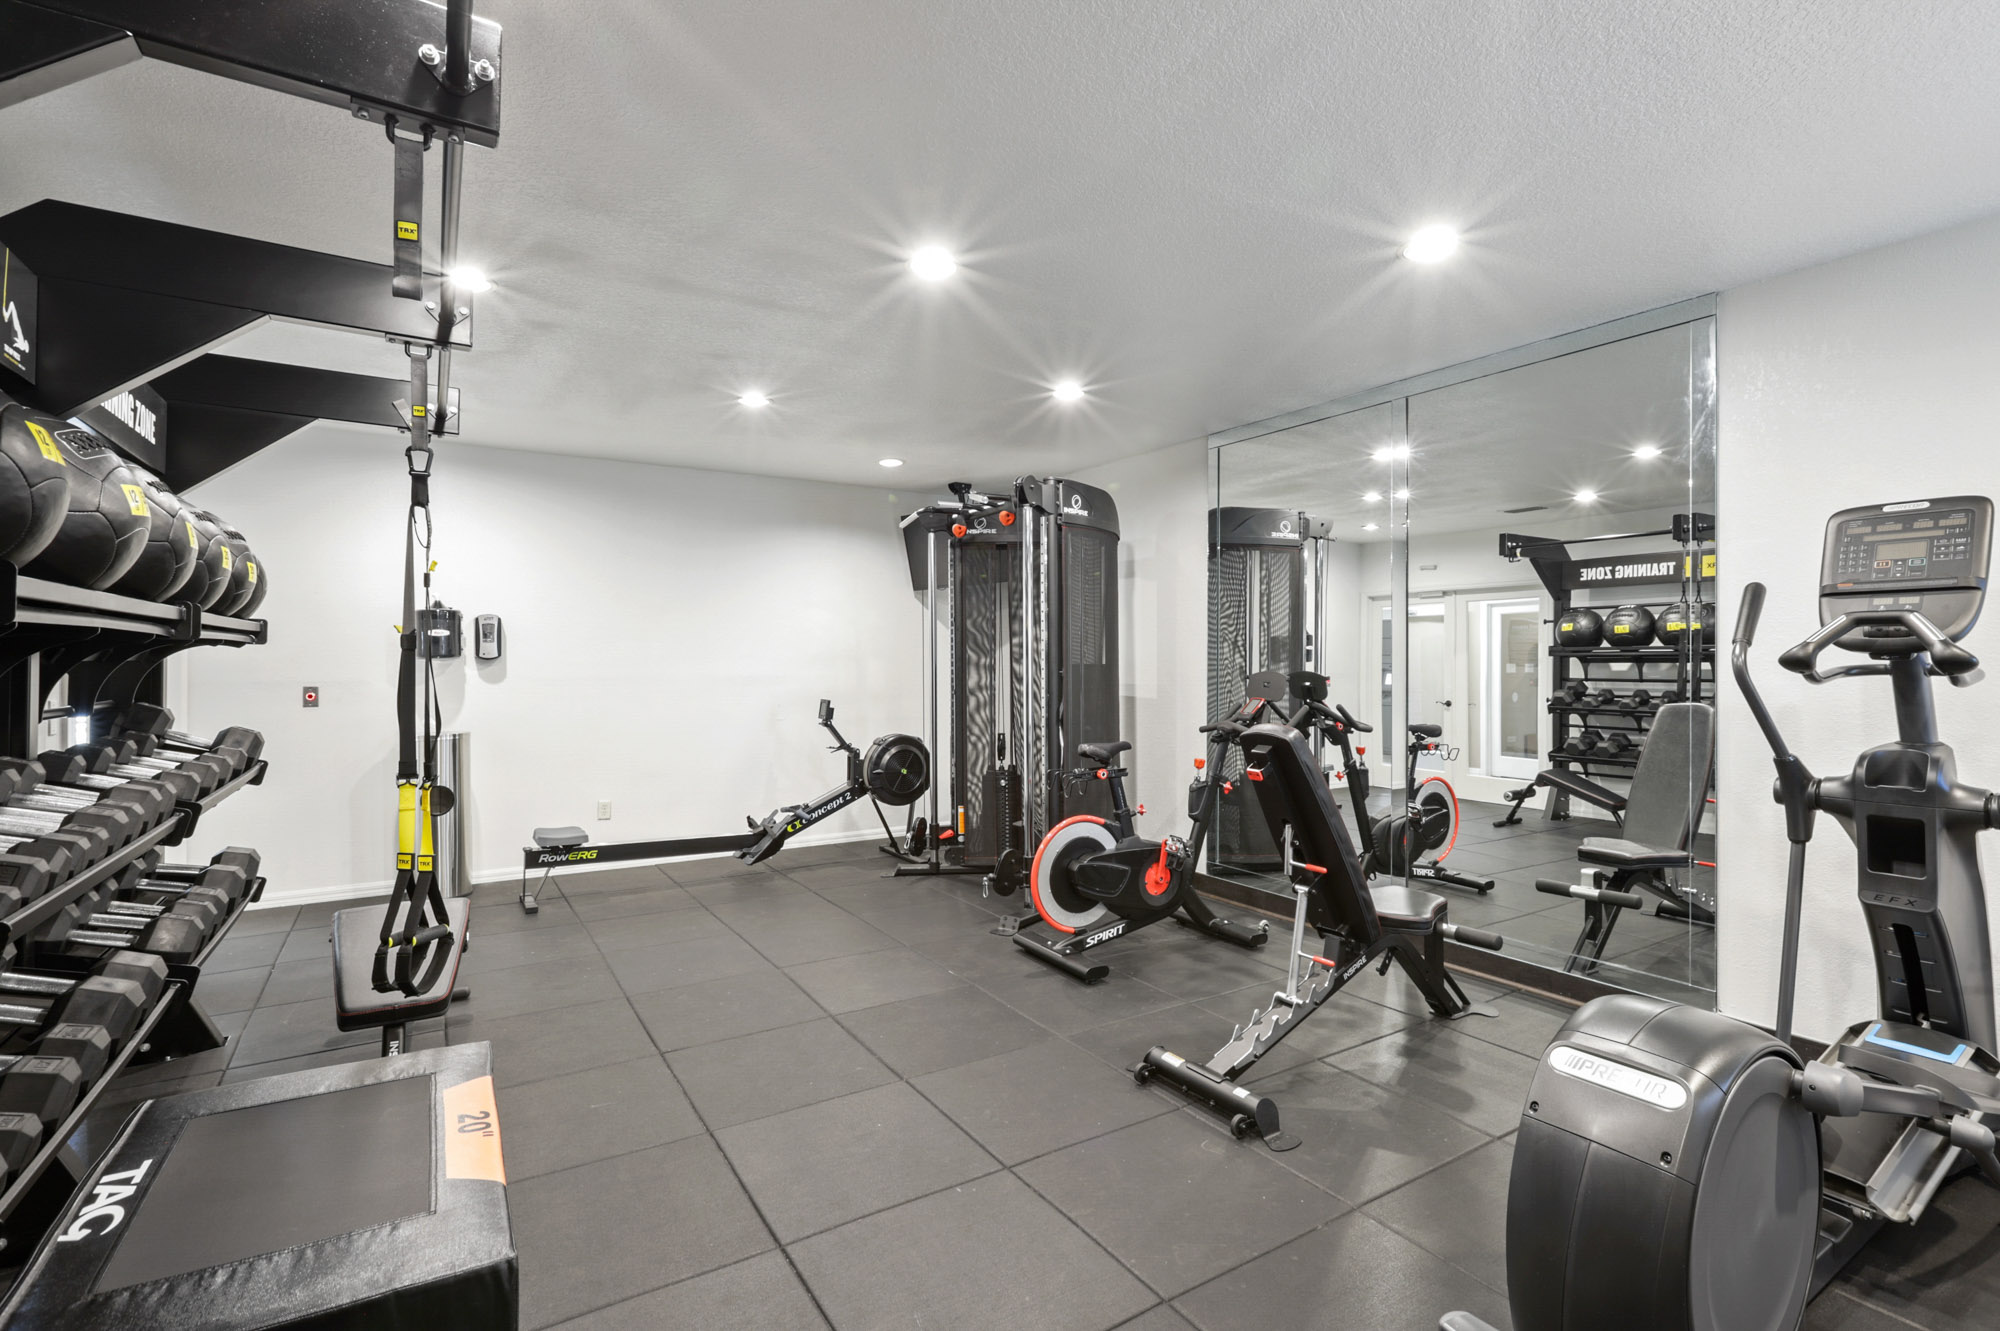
458,45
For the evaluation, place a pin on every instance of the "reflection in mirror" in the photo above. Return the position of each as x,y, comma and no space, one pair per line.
1561,660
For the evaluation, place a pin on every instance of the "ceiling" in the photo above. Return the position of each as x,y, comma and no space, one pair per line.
1531,438
1193,207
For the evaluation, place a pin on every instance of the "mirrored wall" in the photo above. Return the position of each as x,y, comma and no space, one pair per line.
1500,578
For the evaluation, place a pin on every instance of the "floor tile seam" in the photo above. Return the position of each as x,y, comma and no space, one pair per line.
1403,1091
1084,1230
513,1179
647,1293
1415,1178
705,1044
995,1172
1414,1241
1874,1307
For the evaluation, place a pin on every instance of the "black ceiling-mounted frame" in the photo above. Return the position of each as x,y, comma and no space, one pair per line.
360,55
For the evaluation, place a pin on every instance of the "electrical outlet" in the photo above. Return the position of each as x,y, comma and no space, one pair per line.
603,810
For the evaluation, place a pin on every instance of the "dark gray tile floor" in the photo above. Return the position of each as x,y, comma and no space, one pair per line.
800,1096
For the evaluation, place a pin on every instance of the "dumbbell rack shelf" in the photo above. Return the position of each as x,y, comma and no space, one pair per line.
23,922
21,1226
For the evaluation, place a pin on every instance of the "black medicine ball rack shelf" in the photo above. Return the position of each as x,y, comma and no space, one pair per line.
1686,669
109,648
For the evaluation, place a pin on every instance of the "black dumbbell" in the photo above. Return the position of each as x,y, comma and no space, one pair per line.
99,825
1583,742
87,923
97,767
1636,699
1620,744
115,997
40,1086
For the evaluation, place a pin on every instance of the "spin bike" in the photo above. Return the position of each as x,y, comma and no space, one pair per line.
1397,844
1676,1168
1093,879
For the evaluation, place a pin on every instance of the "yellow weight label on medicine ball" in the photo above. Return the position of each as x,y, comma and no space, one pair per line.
194,541
252,566
406,231
226,561
47,443
135,499
1621,628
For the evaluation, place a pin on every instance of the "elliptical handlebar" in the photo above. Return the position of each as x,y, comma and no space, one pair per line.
1739,663
1947,658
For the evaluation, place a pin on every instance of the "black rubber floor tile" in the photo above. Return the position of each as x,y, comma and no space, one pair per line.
632,901
293,1029
1186,1028
319,914
813,1168
1039,1099
1525,1024
588,883
625,932
295,982
1063,1004
507,917
845,873
988,1256
722,1009
1458,1212
532,1045
1358,1139
1479,1083
1839,1309
762,1293
264,920
755,1076
798,942
606,1231
938,1031
870,979
980,955
237,991
306,943
246,952
1161,1318
1342,1022
565,1121
526,949
325,1058
719,869
1395,990
922,916
1178,1200
1353,1272
1942,1273
1195,966
538,987
645,969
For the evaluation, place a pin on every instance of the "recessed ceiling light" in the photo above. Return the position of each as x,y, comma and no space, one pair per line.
1431,243
1371,526
1402,495
1646,452
1067,390
471,280
933,263
1372,497
890,462
754,399
1586,496
1392,452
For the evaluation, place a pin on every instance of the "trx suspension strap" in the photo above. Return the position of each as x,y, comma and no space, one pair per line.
416,941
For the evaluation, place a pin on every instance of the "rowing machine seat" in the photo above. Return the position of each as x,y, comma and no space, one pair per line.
560,838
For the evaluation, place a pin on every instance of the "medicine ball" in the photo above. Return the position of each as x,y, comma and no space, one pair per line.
1579,628
166,560
34,481
1628,626
1684,619
259,584
211,560
104,532
242,574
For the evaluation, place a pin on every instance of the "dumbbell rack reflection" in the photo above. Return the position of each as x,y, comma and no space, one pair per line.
1671,672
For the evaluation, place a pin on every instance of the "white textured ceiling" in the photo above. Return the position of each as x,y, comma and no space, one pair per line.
1193,206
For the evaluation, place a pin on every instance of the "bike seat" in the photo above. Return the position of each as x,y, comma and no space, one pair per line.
1425,730
1103,753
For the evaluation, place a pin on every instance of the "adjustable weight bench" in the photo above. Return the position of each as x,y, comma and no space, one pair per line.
364,1195
1357,924
1658,819
359,1004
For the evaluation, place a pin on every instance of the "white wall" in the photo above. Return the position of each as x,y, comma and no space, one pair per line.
1162,500
668,636
1867,380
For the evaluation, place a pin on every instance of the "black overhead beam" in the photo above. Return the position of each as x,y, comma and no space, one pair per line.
123,297
221,409
360,55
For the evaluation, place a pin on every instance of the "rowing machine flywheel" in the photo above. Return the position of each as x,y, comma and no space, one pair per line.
897,769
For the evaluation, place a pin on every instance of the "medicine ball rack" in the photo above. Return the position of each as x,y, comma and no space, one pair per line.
1686,669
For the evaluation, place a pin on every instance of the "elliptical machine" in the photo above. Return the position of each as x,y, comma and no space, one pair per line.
1677,1168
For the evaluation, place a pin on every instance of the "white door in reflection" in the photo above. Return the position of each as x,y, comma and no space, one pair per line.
1509,680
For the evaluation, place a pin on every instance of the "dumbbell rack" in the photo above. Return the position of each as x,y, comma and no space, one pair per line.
109,649
1694,680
